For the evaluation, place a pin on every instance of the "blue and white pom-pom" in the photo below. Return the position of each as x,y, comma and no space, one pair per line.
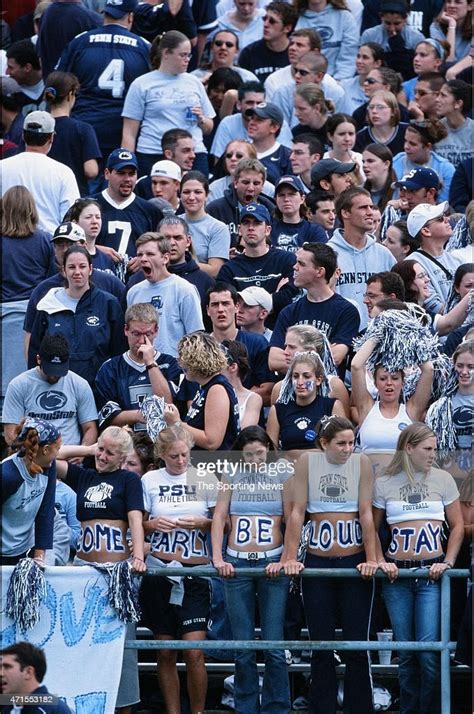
401,341
152,409
26,591
123,592
287,391
120,268
461,235
440,419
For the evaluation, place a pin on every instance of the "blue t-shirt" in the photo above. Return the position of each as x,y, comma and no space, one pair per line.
291,236
122,384
298,423
277,163
336,317
74,143
105,496
257,348
106,61
123,223
195,415
25,263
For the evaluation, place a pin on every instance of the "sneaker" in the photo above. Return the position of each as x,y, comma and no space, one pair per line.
301,704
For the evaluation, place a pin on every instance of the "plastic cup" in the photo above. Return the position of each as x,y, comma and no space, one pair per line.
385,656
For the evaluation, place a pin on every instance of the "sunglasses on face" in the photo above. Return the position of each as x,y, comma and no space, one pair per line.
302,72
224,43
371,80
270,20
237,154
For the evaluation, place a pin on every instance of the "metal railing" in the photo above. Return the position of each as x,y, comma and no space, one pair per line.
444,645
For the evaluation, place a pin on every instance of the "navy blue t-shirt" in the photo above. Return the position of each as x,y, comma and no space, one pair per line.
106,61
277,163
74,143
195,415
105,495
122,224
257,348
25,263
261,60
122,385
298,423
336,317
291,236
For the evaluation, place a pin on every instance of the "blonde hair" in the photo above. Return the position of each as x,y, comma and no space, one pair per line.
310,337
141,312
169,436
201,353
391,101
413,435
19,213
314,96
121,437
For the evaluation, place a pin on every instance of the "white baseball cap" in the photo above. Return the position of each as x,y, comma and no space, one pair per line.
257,296
167,169
421,214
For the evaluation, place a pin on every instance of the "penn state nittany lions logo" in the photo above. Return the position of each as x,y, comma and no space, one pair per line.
92,321
333,485
99,493
463,418
51,400
414,493
325,33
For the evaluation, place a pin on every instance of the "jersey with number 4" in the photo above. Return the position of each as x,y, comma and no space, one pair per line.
123,223
106,61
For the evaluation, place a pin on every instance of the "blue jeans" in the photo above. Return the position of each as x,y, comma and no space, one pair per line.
414,610
240,595
323,600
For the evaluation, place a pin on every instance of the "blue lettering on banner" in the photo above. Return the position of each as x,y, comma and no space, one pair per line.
51,603
97,536
105,618
72,630
91,703
243,533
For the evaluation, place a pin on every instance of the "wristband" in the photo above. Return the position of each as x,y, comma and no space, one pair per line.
150,366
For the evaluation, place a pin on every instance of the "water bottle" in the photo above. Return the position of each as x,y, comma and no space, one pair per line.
191,118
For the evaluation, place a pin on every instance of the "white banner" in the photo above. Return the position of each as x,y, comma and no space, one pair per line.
81,635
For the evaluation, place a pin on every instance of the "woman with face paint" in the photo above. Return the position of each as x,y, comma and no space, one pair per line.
292,419
334,486
28,492
416,499
179,502
253,499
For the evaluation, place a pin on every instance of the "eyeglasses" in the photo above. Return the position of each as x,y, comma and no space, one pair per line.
371,80
271,20
224,43
440,219
378,107
149,335
237,154
302,72
372,296
185,55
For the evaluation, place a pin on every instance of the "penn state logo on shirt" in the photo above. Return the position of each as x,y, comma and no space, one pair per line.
463,419
157,302
414,493
51,400
333,485
402,425
325,33
93,321
96,494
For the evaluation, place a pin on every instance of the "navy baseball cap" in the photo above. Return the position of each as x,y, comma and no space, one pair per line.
266,110
120,158
326,167
257,211
293,181
119,8
418,178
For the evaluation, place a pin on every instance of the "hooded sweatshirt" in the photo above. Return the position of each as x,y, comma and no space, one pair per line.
339,36
357,265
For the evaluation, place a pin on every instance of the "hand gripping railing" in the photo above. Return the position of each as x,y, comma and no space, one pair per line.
444,645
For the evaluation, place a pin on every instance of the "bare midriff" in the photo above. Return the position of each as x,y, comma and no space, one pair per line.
335,535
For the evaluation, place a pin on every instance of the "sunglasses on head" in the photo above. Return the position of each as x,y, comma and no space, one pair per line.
224,43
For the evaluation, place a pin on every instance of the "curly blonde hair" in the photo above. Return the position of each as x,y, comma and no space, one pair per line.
201,353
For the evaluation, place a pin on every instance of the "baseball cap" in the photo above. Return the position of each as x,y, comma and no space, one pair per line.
167,169
421,214
39,123
267,110
418,178
257,296
397,6
71,231
54,363
120,158
257,211
119,8
293,181
325,167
